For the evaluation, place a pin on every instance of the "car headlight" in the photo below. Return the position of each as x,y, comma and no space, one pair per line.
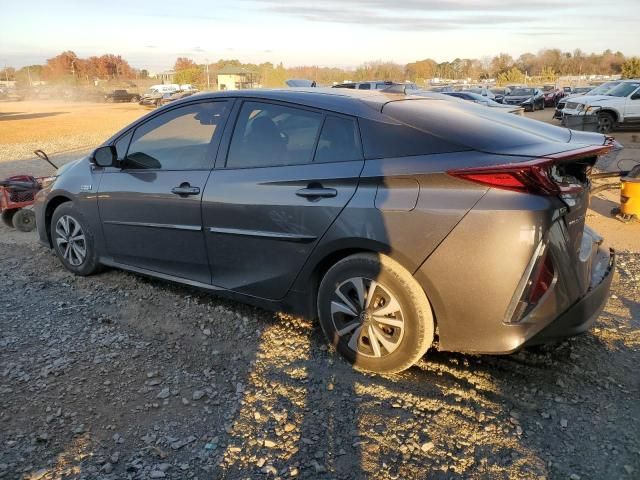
47,181
591,110
579,107
528,101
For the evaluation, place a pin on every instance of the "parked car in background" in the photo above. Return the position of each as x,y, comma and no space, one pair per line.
376,213
567,90
121,96
171,97
581,90
374,85
300,83
487,102
10,95
153,98
619,106
528,98
499,93
552,95
599,90
483,91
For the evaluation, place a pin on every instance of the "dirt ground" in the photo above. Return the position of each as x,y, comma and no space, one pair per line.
116,376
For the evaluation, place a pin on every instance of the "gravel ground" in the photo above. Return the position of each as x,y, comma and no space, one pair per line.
117,376
120,377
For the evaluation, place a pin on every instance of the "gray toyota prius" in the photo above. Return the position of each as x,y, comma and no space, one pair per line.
392,219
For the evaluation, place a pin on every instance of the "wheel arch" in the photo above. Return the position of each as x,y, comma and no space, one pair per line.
306,284
614,113
52,204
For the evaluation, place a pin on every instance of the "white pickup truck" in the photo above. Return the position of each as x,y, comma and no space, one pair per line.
620,106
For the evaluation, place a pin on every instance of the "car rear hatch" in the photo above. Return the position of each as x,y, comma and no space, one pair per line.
530,157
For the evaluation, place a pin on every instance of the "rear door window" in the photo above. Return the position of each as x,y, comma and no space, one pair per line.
269,134
339,141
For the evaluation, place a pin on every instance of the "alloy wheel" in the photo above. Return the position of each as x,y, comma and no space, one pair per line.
368,315
71,240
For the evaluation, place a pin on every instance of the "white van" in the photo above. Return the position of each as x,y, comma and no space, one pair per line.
164,88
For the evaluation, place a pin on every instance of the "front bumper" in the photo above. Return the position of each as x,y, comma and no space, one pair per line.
583,314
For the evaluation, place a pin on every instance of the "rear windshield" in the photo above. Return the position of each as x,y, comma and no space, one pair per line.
522,91
464,125
393,139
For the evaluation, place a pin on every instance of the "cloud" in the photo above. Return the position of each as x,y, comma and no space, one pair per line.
150,46
197,49
418,15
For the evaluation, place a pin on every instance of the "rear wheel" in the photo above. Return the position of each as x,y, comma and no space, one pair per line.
375,313
606,122
24,220
73,241
7,217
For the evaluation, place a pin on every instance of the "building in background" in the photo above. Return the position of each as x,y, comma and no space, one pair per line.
233,77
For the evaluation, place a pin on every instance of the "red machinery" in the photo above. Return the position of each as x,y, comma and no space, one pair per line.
17,194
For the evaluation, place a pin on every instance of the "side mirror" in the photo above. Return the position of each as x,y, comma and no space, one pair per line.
635,96
105,156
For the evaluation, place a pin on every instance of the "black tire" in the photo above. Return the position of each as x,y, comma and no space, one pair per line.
89,263
412,339
24,220
542,105
7,217
606,122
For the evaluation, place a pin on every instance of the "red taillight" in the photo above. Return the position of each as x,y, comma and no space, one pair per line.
542,280
529,177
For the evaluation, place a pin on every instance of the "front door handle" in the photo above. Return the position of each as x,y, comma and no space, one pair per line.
317,192
185,190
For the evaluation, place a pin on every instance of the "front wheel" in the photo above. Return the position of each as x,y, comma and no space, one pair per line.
375,313
73,241
605,122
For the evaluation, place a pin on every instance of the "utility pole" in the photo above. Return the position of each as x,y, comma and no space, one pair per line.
208,81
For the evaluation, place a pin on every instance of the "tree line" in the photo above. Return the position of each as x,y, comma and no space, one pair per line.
68,68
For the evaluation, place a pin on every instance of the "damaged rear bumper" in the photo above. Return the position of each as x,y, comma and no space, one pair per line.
583,314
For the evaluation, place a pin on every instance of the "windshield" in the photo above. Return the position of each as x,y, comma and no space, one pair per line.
624,89
604,88
518,92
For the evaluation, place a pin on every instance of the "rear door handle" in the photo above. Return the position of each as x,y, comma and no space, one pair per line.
318,192
185,190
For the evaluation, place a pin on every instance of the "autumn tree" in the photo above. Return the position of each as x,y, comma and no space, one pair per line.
501,64
512,76
631,68
421,70
193,76
183,63
61,67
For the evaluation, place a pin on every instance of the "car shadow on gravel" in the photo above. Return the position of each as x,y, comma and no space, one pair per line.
27,116
127,376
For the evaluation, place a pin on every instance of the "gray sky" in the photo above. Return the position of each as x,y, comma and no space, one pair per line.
151,34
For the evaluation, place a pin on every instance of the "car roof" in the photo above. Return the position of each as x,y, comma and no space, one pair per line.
363,103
